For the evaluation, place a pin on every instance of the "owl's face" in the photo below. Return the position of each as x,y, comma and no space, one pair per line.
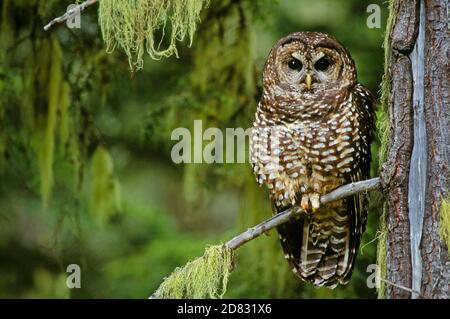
311,64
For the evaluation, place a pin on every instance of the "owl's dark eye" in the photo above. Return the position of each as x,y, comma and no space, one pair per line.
295,64
322,64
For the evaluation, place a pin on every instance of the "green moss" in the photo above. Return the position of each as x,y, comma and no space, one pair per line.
383,135
204,277
133,25
444,226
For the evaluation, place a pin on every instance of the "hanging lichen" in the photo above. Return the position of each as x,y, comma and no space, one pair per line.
48,120
444,226
47,126
204,277
105,192
133,25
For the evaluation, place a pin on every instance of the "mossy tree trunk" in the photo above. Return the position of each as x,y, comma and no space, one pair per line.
416,174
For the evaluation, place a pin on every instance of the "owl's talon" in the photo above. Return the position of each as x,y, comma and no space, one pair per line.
315,201
305,203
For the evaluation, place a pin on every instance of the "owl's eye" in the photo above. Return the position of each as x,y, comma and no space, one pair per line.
322,64
295,64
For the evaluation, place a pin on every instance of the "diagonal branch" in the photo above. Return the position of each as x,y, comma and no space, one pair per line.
70,13
339,193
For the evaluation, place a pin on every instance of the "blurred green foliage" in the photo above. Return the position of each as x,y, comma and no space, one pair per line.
92,141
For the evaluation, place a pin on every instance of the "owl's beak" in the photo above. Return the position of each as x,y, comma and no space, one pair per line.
308,81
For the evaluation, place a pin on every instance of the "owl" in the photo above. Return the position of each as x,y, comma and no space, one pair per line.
312,133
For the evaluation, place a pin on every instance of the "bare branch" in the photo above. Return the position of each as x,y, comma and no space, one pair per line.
70,13
339,193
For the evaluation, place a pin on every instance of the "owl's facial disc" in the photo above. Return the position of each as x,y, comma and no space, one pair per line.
307,73
321,71
307,69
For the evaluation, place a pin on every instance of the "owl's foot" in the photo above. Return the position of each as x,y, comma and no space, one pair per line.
305,203
310,202
315,201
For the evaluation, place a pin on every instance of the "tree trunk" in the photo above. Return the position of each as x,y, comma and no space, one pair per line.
417,172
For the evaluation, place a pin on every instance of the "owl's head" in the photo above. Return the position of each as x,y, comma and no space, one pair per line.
309,63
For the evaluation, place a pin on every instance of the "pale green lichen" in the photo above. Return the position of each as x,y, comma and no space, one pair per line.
133,25
204,277
444,226
105,192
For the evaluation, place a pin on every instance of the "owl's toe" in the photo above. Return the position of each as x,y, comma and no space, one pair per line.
315,201
305,203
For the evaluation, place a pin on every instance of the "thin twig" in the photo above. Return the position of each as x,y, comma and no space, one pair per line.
70,13
400,287
283,217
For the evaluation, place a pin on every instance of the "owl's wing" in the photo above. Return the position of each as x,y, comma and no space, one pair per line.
358,205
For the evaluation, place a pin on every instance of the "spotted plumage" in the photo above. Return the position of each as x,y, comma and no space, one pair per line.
312,133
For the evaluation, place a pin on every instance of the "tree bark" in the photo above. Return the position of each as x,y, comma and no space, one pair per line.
436,263
416,174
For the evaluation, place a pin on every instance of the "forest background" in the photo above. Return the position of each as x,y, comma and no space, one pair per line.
86,175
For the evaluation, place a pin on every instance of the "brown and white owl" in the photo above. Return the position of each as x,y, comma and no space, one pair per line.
312,133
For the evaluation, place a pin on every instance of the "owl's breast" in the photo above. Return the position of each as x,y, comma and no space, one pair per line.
306,156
